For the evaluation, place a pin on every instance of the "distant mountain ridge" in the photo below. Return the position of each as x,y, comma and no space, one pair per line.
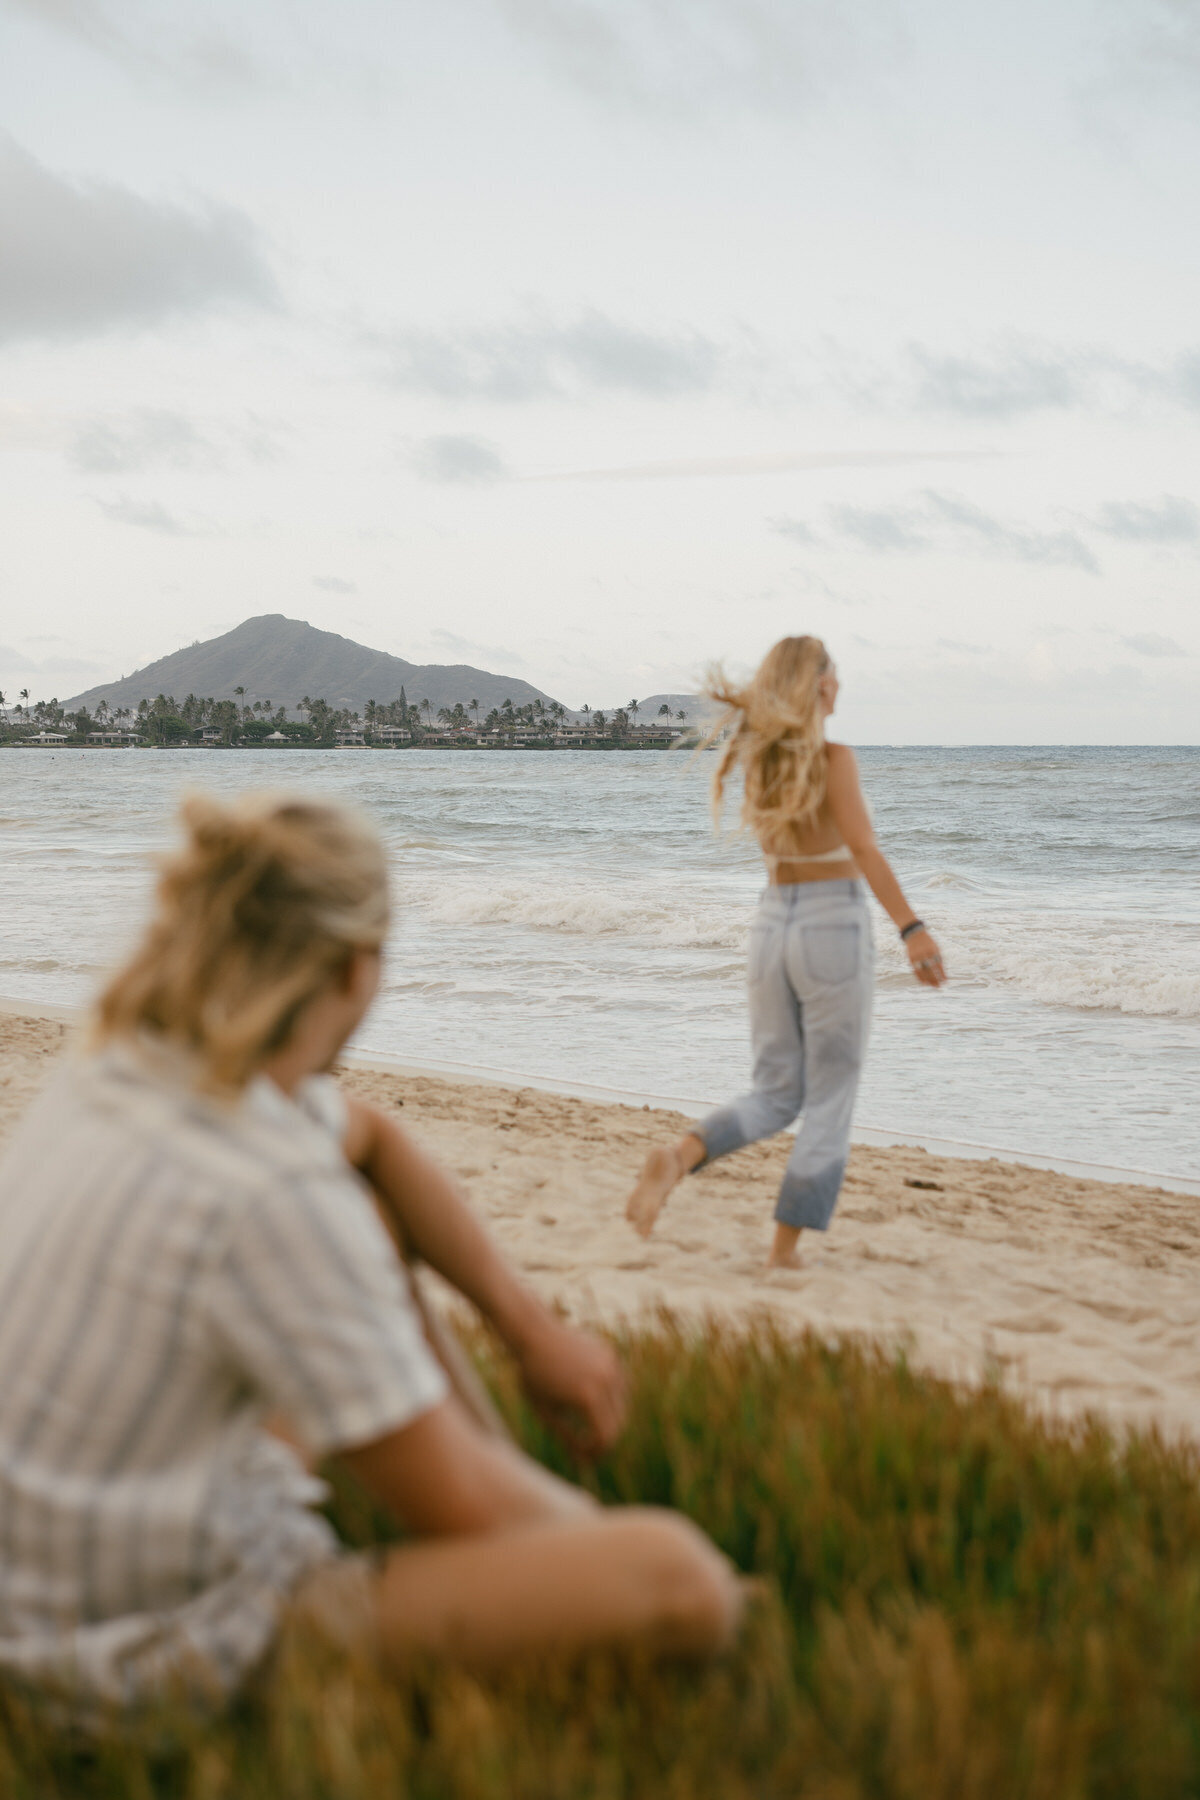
282,660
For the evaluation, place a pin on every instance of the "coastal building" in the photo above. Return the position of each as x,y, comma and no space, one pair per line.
348,739
48,738
119,736
276,737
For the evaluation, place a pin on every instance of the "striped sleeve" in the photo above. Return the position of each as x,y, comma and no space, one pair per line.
315,1311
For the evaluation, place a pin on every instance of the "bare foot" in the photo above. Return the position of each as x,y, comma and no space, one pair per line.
784,1248
660,1172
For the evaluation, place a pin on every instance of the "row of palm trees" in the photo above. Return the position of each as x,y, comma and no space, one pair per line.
165,719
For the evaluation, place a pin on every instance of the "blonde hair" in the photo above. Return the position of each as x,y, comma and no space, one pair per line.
777,739
264,903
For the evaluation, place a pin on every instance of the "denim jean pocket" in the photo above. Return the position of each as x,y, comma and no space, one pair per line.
831,951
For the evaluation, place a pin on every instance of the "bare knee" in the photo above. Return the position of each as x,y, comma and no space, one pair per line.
691,1596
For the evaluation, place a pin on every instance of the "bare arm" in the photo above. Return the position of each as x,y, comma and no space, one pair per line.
442,1476
850,815
566,1371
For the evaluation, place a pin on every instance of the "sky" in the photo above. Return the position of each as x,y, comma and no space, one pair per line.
592,341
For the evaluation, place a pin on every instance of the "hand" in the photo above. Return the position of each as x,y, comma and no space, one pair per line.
576,1382
926,959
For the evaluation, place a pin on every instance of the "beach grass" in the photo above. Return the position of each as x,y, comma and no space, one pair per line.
961,1600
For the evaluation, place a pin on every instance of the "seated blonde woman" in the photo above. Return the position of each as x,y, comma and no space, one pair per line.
189,1247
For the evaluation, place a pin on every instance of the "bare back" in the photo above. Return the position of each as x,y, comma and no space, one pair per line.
824,848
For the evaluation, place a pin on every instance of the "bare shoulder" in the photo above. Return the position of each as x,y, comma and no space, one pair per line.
842,762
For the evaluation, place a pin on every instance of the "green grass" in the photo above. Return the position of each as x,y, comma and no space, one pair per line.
964,1602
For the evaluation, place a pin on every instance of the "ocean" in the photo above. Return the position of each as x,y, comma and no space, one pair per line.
569,918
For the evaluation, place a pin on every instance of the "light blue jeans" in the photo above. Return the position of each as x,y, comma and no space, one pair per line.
811,976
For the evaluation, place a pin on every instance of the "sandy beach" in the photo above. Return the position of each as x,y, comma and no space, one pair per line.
1083,1294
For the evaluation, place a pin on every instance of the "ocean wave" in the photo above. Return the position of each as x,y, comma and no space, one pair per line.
590,911
948,878
1060,962
1089,968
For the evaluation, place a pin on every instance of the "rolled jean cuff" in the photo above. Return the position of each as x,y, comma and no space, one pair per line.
806,1202
721,1132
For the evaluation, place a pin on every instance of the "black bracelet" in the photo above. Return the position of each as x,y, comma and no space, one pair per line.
913,925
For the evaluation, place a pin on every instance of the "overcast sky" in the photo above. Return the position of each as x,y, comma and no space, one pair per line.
589,340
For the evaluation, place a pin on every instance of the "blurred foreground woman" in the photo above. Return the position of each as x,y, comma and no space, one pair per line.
811,958
198,1230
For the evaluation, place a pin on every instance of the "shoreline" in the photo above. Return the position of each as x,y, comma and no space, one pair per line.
877,1137
1081,1297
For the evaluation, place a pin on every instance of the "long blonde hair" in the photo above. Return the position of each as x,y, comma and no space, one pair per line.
266,900
777,738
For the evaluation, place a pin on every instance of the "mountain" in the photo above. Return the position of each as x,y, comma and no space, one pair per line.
282,660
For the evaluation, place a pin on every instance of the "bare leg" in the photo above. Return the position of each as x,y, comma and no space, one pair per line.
660,1171
783,1250
635,1577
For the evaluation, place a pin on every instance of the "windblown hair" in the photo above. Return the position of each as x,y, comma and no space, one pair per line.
260,908
777,739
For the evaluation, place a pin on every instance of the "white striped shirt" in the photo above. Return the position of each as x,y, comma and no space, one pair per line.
171,1268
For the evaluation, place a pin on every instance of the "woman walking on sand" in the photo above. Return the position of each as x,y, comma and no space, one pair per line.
810,956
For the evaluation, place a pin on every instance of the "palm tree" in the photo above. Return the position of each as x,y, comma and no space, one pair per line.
473,707
632,710
24,696
681,715
428,708
3,701
664,711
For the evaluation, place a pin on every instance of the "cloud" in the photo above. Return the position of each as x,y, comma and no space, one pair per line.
209,59
81,257
1015,380
17,662
1156,48
960,648
448,643
702,467
945,523
690,59
543,359
458,460
1172,520
147,515
971,526
1018,377
333,584
879,528
795,529
143,439
1152,643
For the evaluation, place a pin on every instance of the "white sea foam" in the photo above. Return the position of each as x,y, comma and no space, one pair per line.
1152,975
641,912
